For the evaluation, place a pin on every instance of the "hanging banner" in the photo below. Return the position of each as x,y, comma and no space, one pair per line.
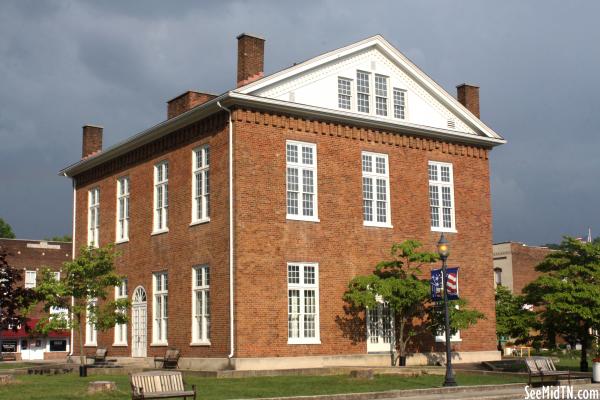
436,283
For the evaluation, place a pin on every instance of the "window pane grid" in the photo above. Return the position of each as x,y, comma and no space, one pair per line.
399,103
123,208
362,88
375,189
201,184
344,93
441,200
381,94
201,304
161,307
161,195
94,217
301,180
302,301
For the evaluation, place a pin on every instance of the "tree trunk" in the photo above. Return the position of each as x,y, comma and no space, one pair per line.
583,365
80,328
401,343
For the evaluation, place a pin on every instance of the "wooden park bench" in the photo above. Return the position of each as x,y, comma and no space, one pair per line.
540,367
169,361
159,385
99,358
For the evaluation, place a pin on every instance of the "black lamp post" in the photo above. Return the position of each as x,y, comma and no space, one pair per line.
443,248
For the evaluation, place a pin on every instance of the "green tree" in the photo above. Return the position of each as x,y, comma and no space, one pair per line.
15,300
6,231
398,284
63,238
567,295
513,320
91,276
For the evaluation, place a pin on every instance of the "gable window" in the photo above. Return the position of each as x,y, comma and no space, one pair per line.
399,103
381,95
362,90
441,196
344,93
30,279
376,189
303,303
93,216
201,185
121,329
160,283
301,162
201,305
91,334
123,209
161,197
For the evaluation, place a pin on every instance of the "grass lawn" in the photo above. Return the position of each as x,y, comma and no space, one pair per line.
7,365
70,386
568,361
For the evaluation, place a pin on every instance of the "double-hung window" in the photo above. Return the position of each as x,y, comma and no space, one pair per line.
399,103
161,197
303,303
201,185
30,279
91,334
441,196
344,93
201,305
376,189
363,91
121,329
123,209
301,181
93,216
381,95
160,284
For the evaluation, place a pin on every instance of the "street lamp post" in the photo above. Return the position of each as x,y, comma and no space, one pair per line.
443,248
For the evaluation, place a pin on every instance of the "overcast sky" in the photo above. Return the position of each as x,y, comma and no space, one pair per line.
66,63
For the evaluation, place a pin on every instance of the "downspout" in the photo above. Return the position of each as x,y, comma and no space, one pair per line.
231,330
73,257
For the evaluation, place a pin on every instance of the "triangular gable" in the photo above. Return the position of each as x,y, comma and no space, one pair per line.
314,82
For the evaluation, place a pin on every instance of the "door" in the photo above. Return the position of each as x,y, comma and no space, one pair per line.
33,349
139,326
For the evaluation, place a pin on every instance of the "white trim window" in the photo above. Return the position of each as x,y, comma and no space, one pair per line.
93,217
441,197
301,181
30,279
303,303
399,103
380,324
160,284
344,93
376,189
121,329
363,91
56,275
201,184
201,305
123,209
161,197
91,333
381,95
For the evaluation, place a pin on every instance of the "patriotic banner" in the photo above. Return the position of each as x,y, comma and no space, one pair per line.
436,284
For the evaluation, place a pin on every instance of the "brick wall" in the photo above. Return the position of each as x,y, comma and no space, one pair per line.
524,261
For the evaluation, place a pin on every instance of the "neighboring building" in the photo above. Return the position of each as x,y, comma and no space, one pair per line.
242,218
31,256
514,264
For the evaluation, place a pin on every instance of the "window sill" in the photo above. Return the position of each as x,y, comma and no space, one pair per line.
443,340
122,241
304,341
160,232
447,230
119,345
163,344
200,222
90,345
200,344
376,225
301,218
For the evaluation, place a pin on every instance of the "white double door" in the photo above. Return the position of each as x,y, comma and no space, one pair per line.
33,349
139,325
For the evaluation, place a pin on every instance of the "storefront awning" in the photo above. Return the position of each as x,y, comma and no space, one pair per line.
23,332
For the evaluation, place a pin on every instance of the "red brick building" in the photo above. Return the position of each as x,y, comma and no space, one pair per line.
514,264
31,257
242,217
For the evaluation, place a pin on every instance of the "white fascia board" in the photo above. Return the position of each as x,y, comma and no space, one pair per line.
415,72
364,120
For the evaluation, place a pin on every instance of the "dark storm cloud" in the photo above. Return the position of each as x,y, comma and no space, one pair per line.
115,63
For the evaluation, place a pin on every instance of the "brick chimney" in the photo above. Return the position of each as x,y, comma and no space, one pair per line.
251,59
468,96
92,140
186,101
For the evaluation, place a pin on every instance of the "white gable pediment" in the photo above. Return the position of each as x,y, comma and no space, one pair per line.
315,83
